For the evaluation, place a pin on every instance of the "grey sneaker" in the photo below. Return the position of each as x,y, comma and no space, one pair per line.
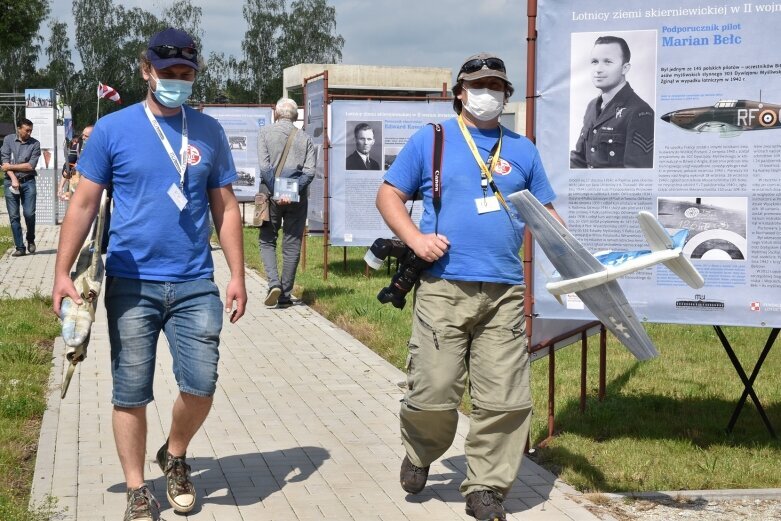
485,505
273,296
18,252
412,477
141,505
178,487
31,247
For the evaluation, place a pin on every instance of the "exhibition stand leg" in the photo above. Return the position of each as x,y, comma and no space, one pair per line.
748,382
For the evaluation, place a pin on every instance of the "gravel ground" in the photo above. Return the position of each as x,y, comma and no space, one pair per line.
696,509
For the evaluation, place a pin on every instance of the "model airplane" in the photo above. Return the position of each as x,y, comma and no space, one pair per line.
728,117
88,278
594,281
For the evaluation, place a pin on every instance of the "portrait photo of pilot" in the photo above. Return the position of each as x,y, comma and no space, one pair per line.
361,139
616,130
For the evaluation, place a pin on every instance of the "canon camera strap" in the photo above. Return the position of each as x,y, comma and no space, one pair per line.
436,171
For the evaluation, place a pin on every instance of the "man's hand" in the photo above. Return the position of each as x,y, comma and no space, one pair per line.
283,201
430,246
6,166
235,293
63,287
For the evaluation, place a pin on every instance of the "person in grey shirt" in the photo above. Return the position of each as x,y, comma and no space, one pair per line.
283,212
18,157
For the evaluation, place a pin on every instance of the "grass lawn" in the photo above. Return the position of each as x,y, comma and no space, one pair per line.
662,424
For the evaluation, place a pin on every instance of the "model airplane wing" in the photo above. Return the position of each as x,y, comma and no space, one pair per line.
606,301
88,278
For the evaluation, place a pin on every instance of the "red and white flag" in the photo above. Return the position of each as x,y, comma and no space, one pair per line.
106,92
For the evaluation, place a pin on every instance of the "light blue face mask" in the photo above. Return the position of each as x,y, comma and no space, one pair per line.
172,93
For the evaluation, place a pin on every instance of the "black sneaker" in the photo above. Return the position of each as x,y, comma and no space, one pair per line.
412,477
18,252
141,505
485,505
273,296
31,247
178,487
284,303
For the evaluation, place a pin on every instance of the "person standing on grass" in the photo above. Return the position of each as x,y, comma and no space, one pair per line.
468,314
159,270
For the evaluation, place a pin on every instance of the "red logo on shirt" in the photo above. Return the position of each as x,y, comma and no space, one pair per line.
193,155
502,167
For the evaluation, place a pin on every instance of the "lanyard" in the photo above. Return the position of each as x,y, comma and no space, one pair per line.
180,163
485,171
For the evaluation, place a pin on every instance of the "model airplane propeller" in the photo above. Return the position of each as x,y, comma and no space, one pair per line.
593,279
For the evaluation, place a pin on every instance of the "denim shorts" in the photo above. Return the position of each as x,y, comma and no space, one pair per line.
190,315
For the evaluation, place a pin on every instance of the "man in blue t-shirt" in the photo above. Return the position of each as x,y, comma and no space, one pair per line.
169,165
469,304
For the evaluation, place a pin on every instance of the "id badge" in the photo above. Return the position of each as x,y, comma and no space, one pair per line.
487,204
177,196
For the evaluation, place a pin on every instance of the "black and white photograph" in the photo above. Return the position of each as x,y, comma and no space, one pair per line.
612,99
364,145
237,142
390,156
717,225
246,177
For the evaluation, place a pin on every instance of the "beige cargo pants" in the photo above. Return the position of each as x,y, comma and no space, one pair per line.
475,328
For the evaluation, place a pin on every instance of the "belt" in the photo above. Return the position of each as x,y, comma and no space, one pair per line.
25,179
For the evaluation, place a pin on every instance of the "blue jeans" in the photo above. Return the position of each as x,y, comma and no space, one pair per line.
26,199
190,315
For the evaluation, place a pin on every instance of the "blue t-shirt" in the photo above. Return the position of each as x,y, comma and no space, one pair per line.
483,247
149,237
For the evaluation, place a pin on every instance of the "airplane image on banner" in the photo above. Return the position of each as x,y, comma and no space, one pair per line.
593,278
727,117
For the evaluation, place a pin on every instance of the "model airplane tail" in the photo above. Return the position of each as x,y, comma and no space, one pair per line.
593,278
659,240
87,278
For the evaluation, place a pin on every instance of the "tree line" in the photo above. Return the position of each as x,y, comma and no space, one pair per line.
109,39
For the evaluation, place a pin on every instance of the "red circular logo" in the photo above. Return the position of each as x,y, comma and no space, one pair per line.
502,167
193,155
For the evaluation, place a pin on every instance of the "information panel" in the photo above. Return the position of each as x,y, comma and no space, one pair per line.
314,126
672,109
366,137
242,125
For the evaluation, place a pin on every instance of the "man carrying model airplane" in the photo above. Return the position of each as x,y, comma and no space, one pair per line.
469,304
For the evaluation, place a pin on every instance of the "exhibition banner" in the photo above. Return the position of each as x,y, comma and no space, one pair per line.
242,125
40,108
675,110
366,137
314,126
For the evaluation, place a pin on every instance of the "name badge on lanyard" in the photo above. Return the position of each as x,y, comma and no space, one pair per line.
176,193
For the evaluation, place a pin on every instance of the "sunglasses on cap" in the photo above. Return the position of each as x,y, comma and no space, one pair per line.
171,51
475,65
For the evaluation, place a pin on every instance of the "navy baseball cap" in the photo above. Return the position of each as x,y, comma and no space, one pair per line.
172,47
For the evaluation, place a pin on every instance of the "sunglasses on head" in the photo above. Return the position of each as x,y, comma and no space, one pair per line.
171,51
475,65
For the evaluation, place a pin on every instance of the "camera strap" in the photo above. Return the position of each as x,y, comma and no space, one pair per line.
436,171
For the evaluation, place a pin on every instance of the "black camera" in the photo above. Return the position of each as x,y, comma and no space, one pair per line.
410,266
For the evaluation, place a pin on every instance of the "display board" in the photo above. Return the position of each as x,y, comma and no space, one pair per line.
40,108
696,140
377,130
242,125
314,126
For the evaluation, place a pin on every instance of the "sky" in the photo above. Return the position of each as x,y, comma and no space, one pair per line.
423,33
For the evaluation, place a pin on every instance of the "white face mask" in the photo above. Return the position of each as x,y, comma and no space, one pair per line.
484,104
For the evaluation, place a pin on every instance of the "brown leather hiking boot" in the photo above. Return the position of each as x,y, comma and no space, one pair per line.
485,505
141,505
412,477
178,487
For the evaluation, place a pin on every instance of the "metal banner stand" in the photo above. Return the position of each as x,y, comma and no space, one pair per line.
748,382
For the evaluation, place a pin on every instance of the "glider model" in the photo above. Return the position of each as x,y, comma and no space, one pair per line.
728,117
593,278
88,278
